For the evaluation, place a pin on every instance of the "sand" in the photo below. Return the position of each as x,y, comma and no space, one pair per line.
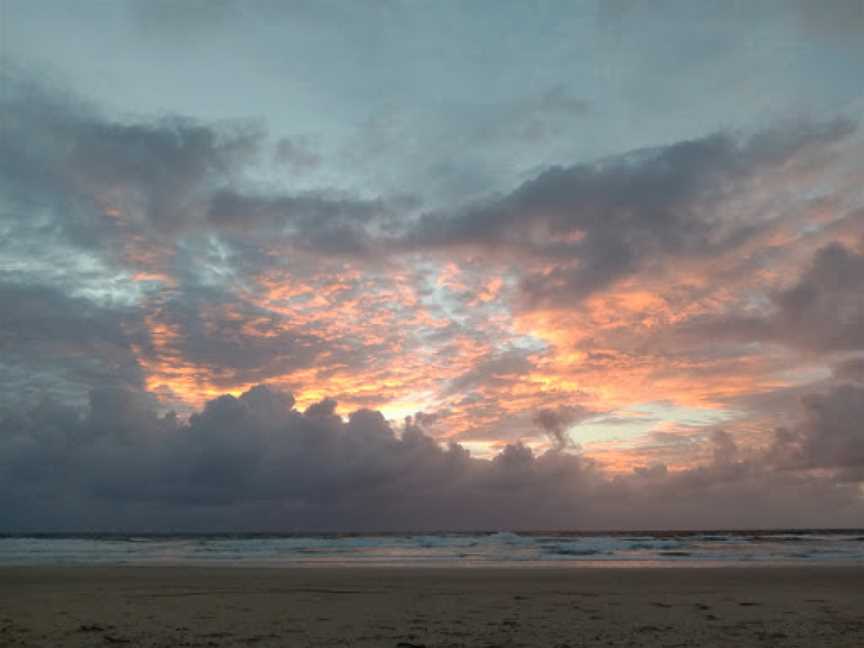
403,607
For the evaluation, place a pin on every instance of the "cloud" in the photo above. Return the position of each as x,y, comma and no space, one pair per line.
822,311
152,231
255,462
225,337
851,369
825,309
106,180
321,222
150,254
554,422
61,153
587,224
830,435
53,343
592,224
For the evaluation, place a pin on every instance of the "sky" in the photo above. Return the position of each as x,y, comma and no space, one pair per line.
398,264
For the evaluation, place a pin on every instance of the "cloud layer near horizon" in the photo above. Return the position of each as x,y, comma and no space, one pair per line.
255,462
619,318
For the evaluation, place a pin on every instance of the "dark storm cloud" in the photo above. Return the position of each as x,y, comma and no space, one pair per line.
256,462
178,253
230,339
317,222
61,154
554,423
831,435
51,342
161,167
87,202
595,223
851,369
172,176
823,311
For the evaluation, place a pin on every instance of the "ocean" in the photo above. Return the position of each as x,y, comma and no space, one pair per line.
478,549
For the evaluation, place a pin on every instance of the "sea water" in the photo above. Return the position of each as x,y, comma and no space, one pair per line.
476,549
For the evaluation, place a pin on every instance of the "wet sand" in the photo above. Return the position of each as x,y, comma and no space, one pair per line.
437,607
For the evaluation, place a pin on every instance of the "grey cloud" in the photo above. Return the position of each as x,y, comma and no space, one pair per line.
595,223
53,343
161,167
60,153
229,339
106,180
830,435
724,447
318,222
323,409
823,311
91,199
554,422
850,369
255,462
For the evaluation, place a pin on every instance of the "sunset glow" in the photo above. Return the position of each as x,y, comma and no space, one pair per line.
601,247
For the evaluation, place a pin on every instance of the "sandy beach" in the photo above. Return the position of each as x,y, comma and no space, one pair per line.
404,607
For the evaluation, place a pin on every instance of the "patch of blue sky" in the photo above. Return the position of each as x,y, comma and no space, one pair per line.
642,419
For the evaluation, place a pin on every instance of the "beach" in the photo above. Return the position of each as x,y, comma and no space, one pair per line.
407,606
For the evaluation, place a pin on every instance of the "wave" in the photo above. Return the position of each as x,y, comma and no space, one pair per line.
470,549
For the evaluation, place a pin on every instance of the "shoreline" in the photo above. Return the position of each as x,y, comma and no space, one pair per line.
456,566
